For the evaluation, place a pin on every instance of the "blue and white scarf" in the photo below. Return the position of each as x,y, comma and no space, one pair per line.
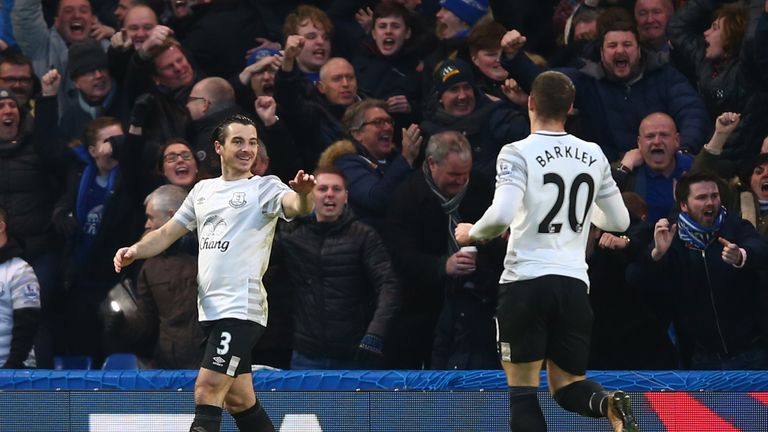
696,235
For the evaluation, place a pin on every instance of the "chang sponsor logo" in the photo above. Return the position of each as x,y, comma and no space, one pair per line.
213,230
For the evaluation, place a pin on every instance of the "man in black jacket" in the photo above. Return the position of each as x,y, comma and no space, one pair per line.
439,279
346,293
708,263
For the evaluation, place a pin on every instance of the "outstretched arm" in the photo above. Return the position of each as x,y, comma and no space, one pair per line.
150,245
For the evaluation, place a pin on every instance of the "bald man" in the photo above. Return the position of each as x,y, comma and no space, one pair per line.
654,166
210,101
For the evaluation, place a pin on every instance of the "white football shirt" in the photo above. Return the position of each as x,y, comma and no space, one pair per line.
556,178
18,289
235,222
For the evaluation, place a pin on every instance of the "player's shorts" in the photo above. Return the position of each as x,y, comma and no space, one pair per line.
547,317
228,345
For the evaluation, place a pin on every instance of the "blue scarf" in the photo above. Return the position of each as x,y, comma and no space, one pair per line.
89,176
696,235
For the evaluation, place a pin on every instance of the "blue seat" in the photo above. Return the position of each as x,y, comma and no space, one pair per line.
72,362
120,361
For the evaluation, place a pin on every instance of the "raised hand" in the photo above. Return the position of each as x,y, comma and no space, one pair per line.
411,145
50,82
100,31
663,234
514,93
157,37
398,104
121,41
364,17
293,46
303,183
727,122
511,43
265,108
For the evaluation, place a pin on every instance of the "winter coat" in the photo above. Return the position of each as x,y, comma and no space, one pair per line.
611,111
715,305
370,183
32,168
344,285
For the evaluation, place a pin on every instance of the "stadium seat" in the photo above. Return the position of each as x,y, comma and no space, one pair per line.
72,362
120,361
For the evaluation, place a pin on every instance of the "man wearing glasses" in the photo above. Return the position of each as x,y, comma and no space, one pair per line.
16,74
371,162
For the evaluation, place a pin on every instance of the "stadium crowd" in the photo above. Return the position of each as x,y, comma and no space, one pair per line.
108,109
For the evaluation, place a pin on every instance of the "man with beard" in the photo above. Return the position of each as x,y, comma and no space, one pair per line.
626,85
47,47
705,266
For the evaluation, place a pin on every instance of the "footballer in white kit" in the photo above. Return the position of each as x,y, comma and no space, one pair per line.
560,177
235,223
235,216
550,188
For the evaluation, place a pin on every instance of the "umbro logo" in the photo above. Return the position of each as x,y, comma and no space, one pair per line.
200,200
218,361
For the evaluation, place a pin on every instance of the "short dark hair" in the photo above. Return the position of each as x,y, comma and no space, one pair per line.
553,93
17,59
486,35
331,170
4,216
96,125
683,188
748,167
386,10
616,19
220,135
169,142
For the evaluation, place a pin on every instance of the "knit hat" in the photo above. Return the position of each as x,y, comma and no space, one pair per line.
260,54
469,11
8,94
450,72
86,56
